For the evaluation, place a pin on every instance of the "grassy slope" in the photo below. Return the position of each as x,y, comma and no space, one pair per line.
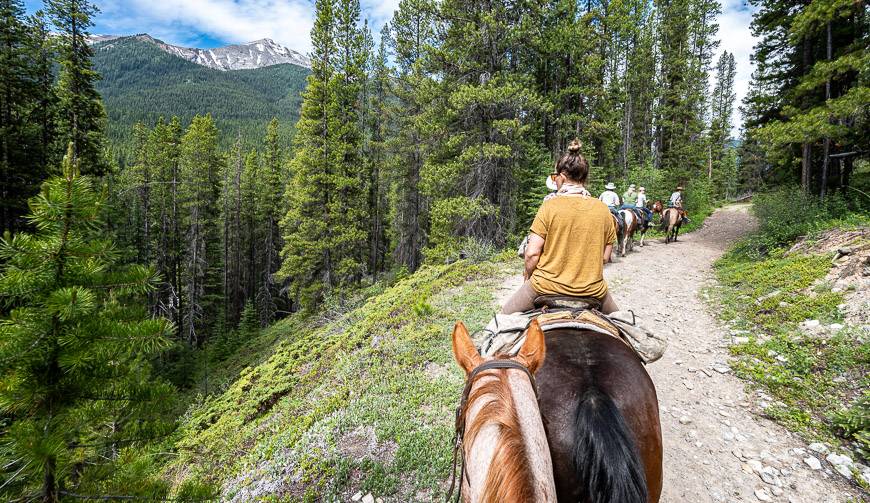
363,401
811,379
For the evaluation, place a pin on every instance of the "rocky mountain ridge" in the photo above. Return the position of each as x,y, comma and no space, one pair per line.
257,54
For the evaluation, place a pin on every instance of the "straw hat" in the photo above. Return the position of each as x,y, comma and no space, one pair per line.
610,186
631,186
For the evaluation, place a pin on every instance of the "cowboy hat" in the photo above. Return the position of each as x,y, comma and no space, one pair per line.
631,186
641,189
610,186
679,187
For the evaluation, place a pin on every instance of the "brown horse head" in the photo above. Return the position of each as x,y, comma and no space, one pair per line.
657,207
503,439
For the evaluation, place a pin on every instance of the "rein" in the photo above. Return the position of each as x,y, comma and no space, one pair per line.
459,433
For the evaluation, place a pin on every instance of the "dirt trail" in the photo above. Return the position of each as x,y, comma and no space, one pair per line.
717,449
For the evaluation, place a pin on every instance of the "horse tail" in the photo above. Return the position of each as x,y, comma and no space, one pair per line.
605,455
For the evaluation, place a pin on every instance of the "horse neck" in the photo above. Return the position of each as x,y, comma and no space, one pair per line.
506,451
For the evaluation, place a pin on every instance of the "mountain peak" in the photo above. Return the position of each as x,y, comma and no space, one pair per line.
256,54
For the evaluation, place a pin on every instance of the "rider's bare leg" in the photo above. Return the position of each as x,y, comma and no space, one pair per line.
522,300
608,305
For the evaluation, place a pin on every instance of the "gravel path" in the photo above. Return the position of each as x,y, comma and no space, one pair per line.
717,449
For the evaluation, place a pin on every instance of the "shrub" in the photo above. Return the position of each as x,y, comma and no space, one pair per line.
787,213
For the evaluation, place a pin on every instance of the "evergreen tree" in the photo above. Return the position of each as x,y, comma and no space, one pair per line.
81,115
721,112
412,38
486,121
199,192
349,208
14,182
270,207
74,348
809,95
376,132
309,260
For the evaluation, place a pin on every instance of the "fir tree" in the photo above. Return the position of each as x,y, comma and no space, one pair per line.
81,115
74,348
200,167
271,186
308,260
412,38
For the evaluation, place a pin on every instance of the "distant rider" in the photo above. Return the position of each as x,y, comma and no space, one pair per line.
676,201
629,198
641,203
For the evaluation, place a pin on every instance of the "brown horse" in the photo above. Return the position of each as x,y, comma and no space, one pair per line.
499,426
602,419
672,219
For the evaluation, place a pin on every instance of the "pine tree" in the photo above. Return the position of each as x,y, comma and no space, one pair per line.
486,119
309,260
376,131
81,115
74,348
270,189
200,167
412,38
721,112
810,95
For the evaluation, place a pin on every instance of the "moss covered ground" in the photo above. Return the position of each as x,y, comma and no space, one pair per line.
344,401
815,378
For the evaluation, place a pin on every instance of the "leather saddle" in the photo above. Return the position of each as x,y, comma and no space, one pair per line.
567,302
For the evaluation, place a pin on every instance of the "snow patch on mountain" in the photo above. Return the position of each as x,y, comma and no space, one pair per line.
256,54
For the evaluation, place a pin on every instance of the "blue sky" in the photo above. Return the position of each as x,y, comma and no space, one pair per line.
212,23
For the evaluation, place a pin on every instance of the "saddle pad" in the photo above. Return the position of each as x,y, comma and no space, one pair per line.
507,332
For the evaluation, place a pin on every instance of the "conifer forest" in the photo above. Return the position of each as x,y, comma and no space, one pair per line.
135,263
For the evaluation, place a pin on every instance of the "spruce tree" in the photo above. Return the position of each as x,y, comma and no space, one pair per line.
74,347
199,193
81,118
308,254
271,185
486,117
412,40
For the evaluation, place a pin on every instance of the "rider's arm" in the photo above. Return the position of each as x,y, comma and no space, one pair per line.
607,251
533,254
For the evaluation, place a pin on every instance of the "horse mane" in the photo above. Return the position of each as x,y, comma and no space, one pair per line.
510,475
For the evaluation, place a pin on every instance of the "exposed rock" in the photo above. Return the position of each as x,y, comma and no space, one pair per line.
763,495
356,497
368,498
811,323
813,463
819,447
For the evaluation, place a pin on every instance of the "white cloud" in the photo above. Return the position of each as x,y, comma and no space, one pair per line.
288,22
737,39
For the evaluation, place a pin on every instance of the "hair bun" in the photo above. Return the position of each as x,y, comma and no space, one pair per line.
575,146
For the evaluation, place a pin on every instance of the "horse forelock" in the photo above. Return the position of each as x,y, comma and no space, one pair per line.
510,476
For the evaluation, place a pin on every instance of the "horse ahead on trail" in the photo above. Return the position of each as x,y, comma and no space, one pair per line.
672,219
499,429
600,414
633,222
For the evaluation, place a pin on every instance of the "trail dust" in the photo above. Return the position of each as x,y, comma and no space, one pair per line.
717,447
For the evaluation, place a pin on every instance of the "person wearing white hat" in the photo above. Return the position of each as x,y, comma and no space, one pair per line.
609,197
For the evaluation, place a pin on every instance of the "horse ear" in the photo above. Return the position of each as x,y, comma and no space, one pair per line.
534,348
463,349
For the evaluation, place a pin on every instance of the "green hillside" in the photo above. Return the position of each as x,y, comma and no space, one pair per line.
358,398
140,82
